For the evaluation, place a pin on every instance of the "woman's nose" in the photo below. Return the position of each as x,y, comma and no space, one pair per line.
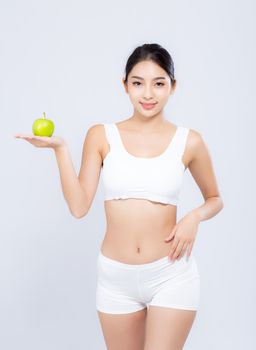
147,93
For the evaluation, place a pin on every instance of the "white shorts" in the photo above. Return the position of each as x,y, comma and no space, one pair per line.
124,288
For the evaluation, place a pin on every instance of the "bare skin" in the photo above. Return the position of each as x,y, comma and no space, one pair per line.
137,228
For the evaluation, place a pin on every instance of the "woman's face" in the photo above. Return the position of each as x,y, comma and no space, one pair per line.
148,83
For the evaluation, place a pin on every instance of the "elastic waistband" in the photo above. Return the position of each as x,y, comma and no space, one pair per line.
162,261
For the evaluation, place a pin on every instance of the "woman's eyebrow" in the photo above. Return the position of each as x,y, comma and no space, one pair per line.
136,77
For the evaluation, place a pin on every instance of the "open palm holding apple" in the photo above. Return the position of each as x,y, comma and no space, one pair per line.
43,141
42,134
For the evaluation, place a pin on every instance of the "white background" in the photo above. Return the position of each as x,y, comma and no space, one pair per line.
67,58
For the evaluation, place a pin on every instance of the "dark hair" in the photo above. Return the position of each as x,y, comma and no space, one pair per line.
151,52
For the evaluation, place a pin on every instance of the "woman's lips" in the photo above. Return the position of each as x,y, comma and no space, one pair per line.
148,105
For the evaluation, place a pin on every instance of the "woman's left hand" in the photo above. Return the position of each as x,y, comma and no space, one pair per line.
183,235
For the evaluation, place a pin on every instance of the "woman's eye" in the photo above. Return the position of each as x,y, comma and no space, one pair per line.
137,82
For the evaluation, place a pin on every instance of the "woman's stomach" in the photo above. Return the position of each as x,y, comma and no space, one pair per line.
136,230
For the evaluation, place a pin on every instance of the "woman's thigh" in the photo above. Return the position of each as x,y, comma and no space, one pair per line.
124,331
121,311
167,328
173,303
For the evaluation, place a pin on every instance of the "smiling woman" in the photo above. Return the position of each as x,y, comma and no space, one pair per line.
148,283
143,162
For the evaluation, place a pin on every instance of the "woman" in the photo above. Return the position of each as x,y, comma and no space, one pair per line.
148,282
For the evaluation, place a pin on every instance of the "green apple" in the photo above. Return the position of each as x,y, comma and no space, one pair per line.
43,127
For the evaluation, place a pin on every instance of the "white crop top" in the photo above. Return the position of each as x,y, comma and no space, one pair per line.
157,179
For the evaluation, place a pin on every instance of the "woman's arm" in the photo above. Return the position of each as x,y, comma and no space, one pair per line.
201,168
183,234
73,192
210,208
79,190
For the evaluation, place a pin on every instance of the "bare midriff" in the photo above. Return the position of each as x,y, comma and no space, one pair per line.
136,230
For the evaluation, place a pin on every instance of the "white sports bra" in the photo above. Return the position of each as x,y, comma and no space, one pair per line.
157,179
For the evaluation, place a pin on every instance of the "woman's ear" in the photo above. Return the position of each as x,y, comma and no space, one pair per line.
173,87
125,85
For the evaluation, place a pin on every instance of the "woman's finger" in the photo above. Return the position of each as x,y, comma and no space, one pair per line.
23,135
183,251
175,252
190,249
175,243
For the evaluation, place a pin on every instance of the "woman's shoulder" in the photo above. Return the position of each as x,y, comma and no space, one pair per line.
96,136
95,129
195,139
193,134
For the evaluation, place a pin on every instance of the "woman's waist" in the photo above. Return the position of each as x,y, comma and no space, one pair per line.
137,228
138,231
138,221
134,252
136,247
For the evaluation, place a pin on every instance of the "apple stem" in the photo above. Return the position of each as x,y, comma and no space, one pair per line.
44,114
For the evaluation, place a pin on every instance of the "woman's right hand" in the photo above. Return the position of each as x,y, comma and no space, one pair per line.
54,142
